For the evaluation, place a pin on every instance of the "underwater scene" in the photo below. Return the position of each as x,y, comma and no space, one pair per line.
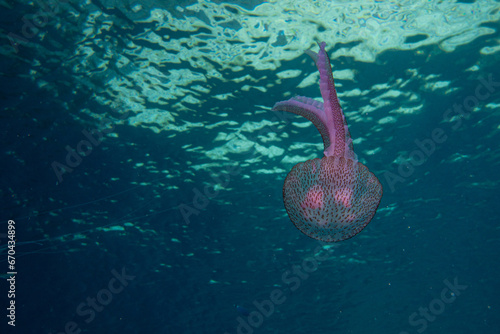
240,167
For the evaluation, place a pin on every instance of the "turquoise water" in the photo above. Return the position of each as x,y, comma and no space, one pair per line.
143,166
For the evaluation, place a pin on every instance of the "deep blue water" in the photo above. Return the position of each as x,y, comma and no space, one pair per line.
117,213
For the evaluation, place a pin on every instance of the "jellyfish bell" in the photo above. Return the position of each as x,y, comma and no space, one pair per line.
333,204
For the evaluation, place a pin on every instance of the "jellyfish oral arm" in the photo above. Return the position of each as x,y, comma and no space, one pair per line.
309,109
333,112
327,116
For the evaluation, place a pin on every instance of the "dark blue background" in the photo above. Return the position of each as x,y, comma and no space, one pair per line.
440,224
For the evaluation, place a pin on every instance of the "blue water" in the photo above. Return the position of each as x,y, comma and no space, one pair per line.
125,243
